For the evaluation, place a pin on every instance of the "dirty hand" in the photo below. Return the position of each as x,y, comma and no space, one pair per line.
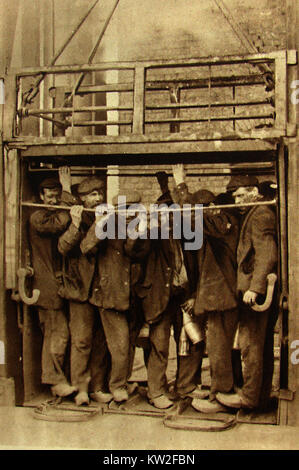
249,297
64,173
76,215
178,173
189,305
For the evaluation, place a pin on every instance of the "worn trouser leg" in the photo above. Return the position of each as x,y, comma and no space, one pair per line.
56,335
159,336
100,363
254,336
220,338
81,330
117,334
188,367
135,322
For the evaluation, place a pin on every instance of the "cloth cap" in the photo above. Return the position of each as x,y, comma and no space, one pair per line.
49,183
90,184
238,181
203,196
132,197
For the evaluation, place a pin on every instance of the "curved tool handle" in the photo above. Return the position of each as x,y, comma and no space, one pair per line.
22,274
269,297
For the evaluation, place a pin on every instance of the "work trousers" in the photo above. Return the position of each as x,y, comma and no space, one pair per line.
256,338
221,329
120,332
81,326
54,326
100,363
188,367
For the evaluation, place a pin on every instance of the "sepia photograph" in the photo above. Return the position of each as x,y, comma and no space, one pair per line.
149,215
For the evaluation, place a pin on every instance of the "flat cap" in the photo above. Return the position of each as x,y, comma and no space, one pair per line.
238,181
90,184
203,196
132,197
50,183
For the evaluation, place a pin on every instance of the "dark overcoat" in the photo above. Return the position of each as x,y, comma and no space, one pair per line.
257,252
119,268
45,226
217,259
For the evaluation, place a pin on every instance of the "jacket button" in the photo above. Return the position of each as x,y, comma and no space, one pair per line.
125,283
167,285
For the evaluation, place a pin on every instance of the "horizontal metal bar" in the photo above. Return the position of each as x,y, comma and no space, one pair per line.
242,80
24,112
206,105
233,117
248,58
180,209
109,87
100,123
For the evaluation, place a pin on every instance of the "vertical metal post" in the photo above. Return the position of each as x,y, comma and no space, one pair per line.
139,97
3,367
293,219
281,91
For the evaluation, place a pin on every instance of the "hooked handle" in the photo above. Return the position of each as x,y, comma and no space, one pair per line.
269,296
22,273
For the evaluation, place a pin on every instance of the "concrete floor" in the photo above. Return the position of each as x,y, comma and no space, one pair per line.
20,430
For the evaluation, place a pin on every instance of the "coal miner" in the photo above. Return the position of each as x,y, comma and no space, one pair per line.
256,258
118,271
89,357
169,284
45,226
215,298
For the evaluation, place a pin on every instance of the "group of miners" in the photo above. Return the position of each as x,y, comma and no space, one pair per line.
97,294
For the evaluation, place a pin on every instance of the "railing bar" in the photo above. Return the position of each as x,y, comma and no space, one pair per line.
218,118
29,112
205,105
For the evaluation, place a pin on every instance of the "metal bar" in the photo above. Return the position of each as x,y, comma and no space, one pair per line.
97,123
35,89
281,92
55,121
139,99
180,209
110,87
206,105
3,333
30,112
93,51
252,79
247,58
244,38
218,118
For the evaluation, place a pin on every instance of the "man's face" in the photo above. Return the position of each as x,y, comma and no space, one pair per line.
50,196
244,195
93,199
